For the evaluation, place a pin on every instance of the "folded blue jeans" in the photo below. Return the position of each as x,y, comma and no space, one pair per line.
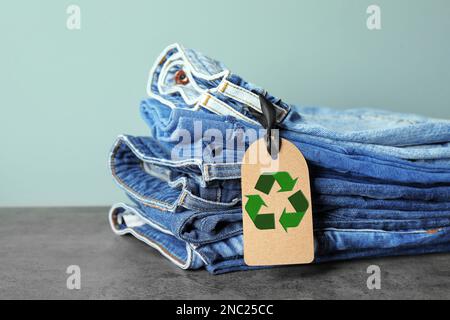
331,244
209,86
172,125
199,220
142,174
380,180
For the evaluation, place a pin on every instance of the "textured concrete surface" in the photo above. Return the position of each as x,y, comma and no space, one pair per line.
37,245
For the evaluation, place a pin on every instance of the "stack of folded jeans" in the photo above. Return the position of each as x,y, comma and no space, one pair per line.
380,180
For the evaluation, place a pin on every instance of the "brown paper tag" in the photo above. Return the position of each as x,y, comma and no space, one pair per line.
276,207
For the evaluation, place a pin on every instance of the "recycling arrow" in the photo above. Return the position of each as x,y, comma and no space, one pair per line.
261,221
284,179
287,219
293,219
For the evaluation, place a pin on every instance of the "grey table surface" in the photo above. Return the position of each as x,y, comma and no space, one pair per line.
38,244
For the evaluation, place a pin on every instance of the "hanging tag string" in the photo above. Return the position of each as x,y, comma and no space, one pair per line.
269,122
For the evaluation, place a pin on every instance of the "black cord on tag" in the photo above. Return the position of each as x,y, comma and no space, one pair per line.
269,122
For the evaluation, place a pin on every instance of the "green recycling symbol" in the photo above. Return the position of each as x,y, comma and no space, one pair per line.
288,219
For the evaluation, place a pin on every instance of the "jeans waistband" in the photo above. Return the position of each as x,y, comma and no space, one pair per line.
164,184
209,85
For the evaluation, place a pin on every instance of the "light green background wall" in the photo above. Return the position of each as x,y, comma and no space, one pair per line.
65,95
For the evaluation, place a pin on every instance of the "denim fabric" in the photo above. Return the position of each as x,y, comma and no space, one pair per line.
365,126
169,125
330,243
137,170
142,175
201,227
380,181
211,225
177,251
166,185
